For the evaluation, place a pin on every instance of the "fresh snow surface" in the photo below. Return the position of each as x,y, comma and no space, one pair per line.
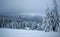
26,33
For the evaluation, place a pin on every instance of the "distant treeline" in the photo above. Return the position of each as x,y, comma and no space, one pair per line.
20,23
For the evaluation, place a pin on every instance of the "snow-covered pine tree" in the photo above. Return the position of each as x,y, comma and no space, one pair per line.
47,21
52,17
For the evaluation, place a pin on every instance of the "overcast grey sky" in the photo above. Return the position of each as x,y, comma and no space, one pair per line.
25,7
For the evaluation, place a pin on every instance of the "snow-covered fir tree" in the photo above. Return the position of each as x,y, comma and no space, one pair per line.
52,18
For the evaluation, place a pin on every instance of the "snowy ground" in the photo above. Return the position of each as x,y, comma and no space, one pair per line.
26,33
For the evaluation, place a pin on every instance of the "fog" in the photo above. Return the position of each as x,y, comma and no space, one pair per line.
25,7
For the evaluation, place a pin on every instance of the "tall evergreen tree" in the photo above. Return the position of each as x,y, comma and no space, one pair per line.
52,18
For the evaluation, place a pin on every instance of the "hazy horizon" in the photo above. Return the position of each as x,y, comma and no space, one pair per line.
26,7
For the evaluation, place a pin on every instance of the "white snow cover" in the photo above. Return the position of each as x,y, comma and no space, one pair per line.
26,33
